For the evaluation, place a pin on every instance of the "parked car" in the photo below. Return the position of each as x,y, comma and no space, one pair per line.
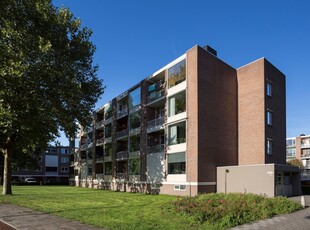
30,181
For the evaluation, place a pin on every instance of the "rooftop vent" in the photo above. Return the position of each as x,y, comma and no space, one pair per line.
210,50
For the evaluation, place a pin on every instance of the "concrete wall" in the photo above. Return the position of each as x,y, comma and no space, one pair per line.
259,179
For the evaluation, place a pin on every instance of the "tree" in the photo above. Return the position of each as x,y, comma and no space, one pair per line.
47,78
295,162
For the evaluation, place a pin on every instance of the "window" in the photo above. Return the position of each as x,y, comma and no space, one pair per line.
290,142
269,118
63,151
89,171
40,159
176,163
135,120
134,143
64,169
177,74
64,160
269,147
108,168
177,133
40,169
291,152
50,169
135,97
180,187
269,89
108,131
305,152
108,150
134,166
177,104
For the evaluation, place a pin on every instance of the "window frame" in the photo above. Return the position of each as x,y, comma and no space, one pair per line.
269,117
269,147
269,89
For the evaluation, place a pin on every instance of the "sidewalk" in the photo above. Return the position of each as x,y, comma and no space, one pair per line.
15,217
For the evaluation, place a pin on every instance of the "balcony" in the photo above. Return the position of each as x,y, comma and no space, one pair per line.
108,121
90,145
305,145
122,133
84,146
99,158
156,96
122,113
99,124
99,141
107,139
122,155
155,149
155,124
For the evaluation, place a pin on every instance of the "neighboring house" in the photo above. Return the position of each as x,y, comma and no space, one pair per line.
169,132
299,148
53,166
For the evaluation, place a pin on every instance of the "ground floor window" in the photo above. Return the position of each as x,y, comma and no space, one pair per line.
108,168
134,166
176,163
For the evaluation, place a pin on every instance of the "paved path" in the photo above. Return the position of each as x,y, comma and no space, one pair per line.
27,219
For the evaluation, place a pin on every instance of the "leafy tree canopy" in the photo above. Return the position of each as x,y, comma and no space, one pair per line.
47,77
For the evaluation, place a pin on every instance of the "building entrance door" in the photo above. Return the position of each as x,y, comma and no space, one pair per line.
279,183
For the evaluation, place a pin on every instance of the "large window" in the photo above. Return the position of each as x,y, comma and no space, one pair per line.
108,150
177,104
176,163
305,152
269,89
134,166
135,120
135,143
135,97
177,133
108,131
269,118
177,74
269,146
108,168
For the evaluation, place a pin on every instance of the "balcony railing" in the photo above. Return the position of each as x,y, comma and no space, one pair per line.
158,122
100,141
122,155
84,146
99,157
155,149
305,145
305,174
90,145
155,96
122,113
107,139
99,124
122,133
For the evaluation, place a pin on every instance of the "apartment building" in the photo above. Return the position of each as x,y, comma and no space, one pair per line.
169,132
299,148
53,166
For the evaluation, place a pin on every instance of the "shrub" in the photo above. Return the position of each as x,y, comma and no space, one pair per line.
232,209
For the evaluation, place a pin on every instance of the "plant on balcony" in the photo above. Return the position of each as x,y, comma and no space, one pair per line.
295,162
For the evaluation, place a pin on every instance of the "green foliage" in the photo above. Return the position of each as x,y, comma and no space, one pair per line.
295,162
230,210
47,77
117,210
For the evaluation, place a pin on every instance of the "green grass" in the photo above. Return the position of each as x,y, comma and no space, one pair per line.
118,210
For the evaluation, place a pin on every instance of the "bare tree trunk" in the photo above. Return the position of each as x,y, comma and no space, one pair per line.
7,173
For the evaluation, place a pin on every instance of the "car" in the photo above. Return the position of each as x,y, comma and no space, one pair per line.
30,181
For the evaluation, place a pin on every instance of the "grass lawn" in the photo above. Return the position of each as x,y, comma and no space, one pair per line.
118,210
108,209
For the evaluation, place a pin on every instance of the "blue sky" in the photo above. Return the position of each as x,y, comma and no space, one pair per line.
135,38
